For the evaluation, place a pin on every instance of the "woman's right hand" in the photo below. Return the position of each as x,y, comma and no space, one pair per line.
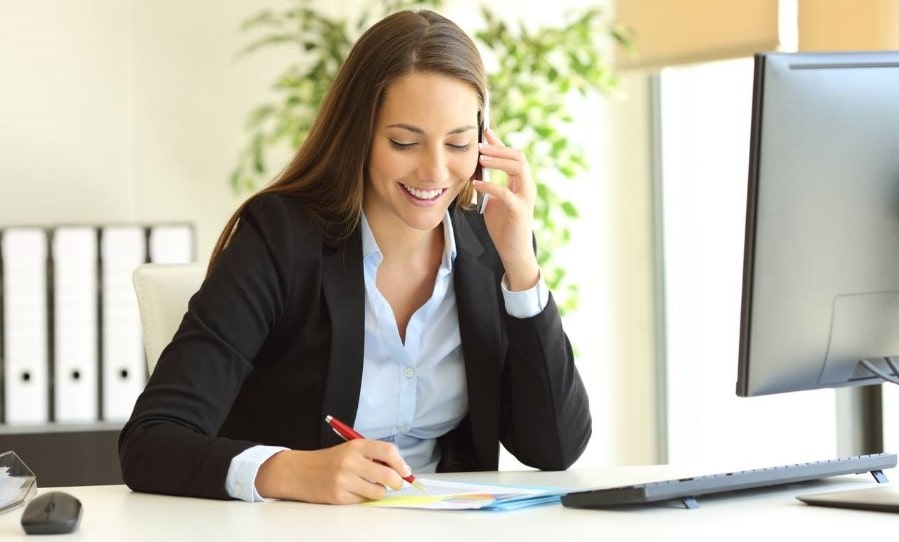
344,474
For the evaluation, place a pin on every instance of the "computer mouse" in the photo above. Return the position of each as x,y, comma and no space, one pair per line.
55,512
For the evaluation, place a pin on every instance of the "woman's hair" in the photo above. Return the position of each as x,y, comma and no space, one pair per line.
328,171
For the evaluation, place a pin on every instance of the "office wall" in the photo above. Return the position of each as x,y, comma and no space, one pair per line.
66,145
122,111
133,111
634,330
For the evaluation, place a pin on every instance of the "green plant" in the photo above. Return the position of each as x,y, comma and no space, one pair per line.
538,69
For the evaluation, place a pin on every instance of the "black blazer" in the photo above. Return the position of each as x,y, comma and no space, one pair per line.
273,341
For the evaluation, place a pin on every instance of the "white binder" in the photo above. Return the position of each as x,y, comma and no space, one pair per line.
75,369
171,243
25,352
122,249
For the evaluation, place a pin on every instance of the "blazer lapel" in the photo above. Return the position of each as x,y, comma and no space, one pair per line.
343,287
479,327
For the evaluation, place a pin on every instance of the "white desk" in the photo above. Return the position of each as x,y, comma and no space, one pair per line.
116,513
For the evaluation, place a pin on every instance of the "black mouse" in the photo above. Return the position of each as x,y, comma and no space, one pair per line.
55,512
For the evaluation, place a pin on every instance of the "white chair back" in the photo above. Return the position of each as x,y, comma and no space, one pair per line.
163,291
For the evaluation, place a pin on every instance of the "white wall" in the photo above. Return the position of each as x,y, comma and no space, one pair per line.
705,132
123,111
66,143
133,111
635,393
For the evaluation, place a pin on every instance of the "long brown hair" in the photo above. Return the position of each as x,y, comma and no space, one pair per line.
328,171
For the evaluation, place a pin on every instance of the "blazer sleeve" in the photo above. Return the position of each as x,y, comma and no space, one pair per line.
170,443
545,416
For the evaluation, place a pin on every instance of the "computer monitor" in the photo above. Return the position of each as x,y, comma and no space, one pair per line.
820,305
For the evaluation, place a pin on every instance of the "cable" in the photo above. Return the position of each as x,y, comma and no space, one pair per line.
892,363
882,374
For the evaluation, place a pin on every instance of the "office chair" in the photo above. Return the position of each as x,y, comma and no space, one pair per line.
163,291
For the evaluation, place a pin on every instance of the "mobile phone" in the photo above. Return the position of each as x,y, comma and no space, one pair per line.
481,173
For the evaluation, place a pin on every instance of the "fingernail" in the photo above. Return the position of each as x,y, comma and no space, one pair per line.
407,470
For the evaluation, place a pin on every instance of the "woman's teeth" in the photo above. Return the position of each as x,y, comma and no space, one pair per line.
424,194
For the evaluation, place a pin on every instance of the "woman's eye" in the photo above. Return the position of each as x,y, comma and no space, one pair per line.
401,146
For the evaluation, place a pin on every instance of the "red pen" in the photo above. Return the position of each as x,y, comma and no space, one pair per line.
348,433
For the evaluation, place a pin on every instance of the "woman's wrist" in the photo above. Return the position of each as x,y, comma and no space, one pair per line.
522,277
270,476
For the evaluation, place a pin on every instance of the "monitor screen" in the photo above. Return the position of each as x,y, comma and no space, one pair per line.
820,298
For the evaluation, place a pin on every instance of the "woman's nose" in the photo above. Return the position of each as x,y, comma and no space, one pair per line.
433,166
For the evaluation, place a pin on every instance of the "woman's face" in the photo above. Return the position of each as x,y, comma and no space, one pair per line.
424,149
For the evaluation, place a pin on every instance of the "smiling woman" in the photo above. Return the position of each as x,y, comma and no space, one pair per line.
361,285
423,153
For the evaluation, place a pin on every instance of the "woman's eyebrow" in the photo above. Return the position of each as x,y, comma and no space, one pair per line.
417,130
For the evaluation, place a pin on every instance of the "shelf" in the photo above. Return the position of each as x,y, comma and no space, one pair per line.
59,428
67,454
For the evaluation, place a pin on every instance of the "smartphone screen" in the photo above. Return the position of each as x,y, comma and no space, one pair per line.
480,171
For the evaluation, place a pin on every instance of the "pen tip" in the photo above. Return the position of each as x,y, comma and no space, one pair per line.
420,486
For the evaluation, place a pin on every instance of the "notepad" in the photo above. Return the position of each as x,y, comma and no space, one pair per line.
447,495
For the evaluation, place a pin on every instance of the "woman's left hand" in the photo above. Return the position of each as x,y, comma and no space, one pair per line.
510,211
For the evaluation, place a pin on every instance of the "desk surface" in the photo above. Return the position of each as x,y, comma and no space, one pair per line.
116,513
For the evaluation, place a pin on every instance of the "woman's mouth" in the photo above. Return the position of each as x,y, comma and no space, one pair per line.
424,195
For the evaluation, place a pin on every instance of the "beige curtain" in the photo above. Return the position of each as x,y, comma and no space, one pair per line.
830,25
671,32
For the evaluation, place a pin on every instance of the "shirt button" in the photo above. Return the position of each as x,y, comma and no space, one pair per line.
237,489
409,372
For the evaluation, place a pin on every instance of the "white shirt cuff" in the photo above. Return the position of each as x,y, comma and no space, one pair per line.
527,303
241,480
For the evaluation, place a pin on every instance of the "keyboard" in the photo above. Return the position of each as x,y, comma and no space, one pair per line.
687,489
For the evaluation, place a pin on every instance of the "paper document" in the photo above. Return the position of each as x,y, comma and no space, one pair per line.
447,495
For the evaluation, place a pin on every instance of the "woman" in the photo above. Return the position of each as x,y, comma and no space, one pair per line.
361,284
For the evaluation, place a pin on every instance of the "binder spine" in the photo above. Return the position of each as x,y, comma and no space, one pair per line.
71,348
26,331
122,249
74,330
